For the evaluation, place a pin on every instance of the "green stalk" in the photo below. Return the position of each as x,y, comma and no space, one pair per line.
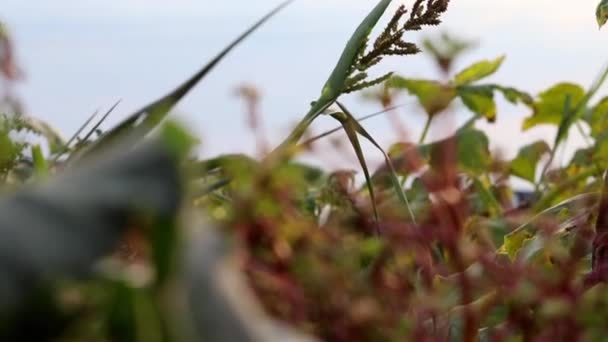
425,131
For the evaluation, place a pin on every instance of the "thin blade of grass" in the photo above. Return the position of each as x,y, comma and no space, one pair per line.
334,86
78,131
351,132
393,174
149,116
360,119
79,151
102,120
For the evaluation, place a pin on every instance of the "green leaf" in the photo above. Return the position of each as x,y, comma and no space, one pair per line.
335,84
549,109
433,96
525,164
478,71
40,164
351,133
140,123
480,100
473,152
336,81
513,242
349,121
514,96
597,118
9,151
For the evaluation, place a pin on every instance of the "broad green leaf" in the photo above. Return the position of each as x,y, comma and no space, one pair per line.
514,96
549,109
480,100
597,118
478,71
433,96
472,149
526,162
513,243
140,123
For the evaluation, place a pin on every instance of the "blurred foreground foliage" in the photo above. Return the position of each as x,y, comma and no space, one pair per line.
126,235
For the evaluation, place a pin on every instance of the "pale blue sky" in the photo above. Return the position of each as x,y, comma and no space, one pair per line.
83,55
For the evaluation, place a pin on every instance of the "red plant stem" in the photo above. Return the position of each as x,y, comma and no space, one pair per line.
600,243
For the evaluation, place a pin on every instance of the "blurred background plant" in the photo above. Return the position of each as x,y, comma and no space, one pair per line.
127,235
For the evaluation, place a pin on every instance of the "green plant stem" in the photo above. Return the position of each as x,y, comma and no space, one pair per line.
583,134
425,131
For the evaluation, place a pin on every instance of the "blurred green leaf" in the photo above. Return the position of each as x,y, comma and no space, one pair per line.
473,154
433,96
335,84
513,242
478,71
40,164
480,100
549,109
354,125
526,162
351,133
140,123
513,95
9,151
597,118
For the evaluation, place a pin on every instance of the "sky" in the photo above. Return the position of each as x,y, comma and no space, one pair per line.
80,56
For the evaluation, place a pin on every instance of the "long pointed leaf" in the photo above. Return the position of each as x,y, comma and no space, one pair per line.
351,132
334,86
393,174
148,117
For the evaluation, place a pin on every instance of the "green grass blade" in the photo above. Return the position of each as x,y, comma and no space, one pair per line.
360,119
103,118
149,116
351,132
335,84
393,174
78,132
